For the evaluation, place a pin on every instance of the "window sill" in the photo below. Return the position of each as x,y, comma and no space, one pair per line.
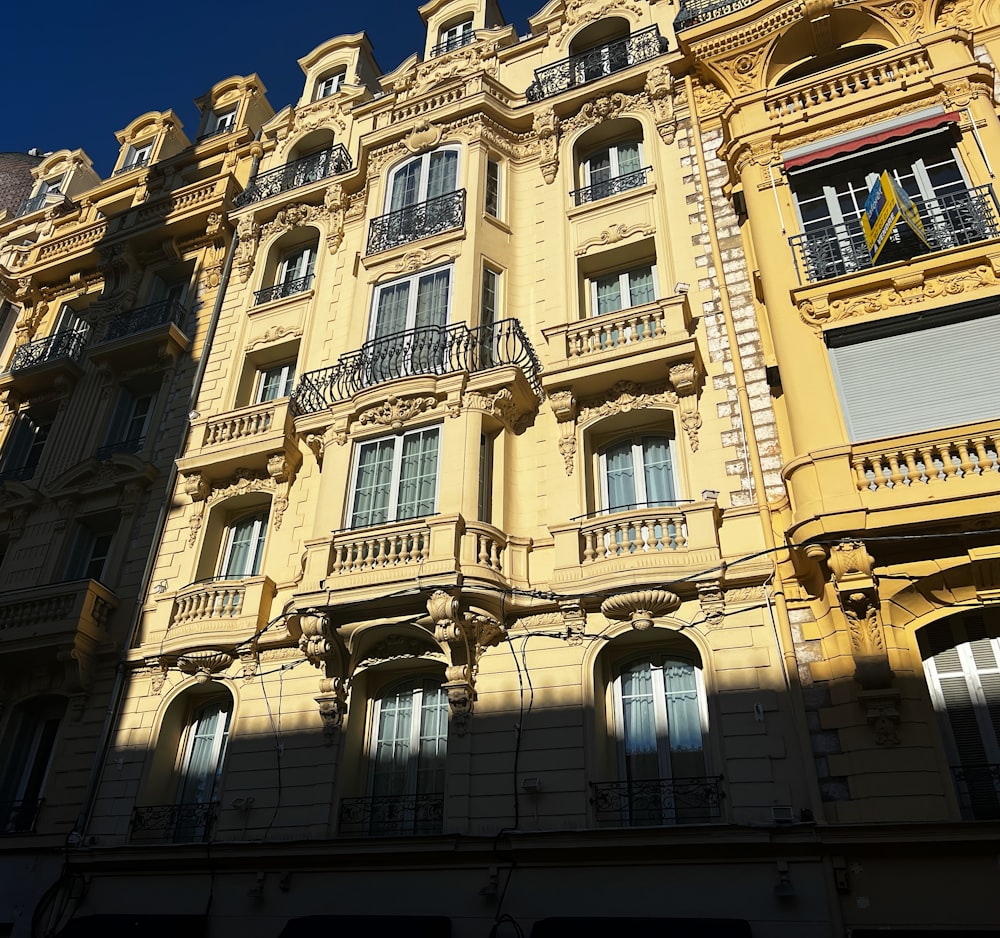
497,223
639,192
282,302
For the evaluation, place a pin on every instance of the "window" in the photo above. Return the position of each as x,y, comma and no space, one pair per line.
492,206
962,664
488,316
408,748
637,473
222,122
90,549
454,37
29,742
204,750
138,155
610,170
274,383
426,177
331,84
602,58
614,292
395,478
244,547
485,501
23,449
660,722
129,423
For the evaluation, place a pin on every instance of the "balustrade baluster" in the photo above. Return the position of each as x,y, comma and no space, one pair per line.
589,546
483,553
895,475
495,555
966,465
680,539
861,479
930,470
367,550
948,462
913,471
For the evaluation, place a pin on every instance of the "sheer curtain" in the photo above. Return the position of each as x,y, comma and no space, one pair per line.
657,470
639,718
641,288
619,474
418,474
443,173
208,733
373,484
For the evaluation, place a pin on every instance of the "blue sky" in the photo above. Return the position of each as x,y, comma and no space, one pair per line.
81,71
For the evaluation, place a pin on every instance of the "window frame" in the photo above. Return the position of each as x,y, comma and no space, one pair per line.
138,155
614,162
120,423
392,507
493,189
638,472
413,293
424,161
257,541
27,768
286,382
338,77
456,35
23,446
624,288
224,121
89,551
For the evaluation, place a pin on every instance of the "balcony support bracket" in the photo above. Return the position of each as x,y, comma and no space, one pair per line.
323,648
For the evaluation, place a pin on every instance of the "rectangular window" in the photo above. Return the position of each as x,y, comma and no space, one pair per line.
454,37
489,313
493,188
138,155
330,85
244,546
223,122
129,422
485,477
89,554
274,383
395,478
23,449
615,292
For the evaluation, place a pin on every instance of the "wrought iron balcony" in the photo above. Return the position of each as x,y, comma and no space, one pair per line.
417,221
392,816
978,791
173,823
131,445
694,12
19,473
601,190
146,317
128,167
31,205
596,63
67,344
18,817
450,45
658,801
434,350
950,221
330,162
281,290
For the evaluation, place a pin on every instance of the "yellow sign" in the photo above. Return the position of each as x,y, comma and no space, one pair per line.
887,204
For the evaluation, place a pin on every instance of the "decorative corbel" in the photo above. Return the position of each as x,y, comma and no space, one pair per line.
713,602
464,637
640,607
196,487
248,235
335,201
685,378
659,87
546,128
882,714
204,665
424,136
281,467
324,649
564,407
574,618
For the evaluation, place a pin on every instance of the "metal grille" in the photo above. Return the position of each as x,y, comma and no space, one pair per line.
137,164
949,221
428,350
658,801
68,344
392,816
450,45
132,445
18,817
31,205
417,221
601,190
143,318
596,63
693,12
173,823
281,290
297,173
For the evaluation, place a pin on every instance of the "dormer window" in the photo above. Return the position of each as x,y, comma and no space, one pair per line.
331,84
138,155
222,122
454,37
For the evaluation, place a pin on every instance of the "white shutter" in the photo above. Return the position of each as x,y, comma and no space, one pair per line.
917,378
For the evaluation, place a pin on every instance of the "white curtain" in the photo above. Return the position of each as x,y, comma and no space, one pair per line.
683,719
390,317
418,474
641,286
609,295
619,474
206,746
372,485
657,470
443,173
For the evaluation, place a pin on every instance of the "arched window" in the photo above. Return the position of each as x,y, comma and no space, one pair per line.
637,472
244,546
423,178
290,266
962,664
330,84
26,755
204,749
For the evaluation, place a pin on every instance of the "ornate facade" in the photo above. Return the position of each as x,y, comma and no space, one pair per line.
539,533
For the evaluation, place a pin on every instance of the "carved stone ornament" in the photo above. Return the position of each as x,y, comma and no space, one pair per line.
564,407
612,235
546,128
336,203
882,714
396,411
248,233
686,378
324,649
204,665
574,619
659,88
713,603
423,137
640,607
204,493
709,98
464,637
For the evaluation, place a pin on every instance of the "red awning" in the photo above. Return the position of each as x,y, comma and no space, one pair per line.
870,140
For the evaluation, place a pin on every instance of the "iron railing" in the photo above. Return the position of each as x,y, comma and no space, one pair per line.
450,45
66,344
173,823
20,473
131,445
392,816
281,290
658,801
128,167
693,12
427,350
19,817
978,787
601,190
31,205
417,221
143,318
949,221
595,63
311,168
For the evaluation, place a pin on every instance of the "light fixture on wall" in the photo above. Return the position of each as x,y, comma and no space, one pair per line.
681,287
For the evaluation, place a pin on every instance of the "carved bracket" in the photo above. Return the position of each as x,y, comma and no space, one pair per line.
325,649
713,603
546,128
564,407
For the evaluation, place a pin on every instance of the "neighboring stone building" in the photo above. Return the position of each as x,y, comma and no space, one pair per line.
527,565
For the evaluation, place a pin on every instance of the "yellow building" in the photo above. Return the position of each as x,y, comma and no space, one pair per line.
546,548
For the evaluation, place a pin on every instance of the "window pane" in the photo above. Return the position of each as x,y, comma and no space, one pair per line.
641,286
599,167
418,474
246,547
405,186
683,718
443,172
433,740
609,294
372,486
392,744
206,749
628,158
657,470
639,723
620,477
432,299
390,317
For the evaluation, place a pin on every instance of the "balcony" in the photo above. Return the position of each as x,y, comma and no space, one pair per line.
391,816
135,164
610,187
450,45
31,205
949,222
432,217
247,437
429,350
282,290
596,63
237,607
696,12
144,336
978,789
657,802
40,366
301,172
19,817
173,823
130,446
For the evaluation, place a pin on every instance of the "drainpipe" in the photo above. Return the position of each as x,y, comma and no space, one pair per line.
786,645
118,691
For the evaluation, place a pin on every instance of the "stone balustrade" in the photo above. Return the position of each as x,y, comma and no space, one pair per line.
925,461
